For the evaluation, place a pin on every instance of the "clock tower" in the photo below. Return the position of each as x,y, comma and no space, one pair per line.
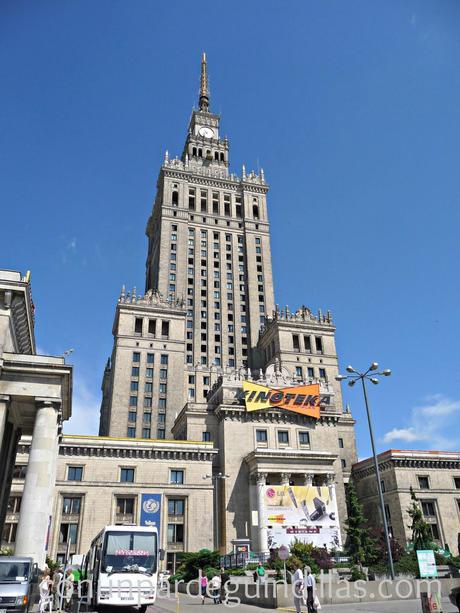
203,146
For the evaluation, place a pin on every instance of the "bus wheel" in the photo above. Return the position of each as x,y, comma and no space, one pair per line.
143,608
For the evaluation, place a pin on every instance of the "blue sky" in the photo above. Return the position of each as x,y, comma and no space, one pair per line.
350,107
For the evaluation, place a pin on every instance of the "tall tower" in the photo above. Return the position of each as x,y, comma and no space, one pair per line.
209,243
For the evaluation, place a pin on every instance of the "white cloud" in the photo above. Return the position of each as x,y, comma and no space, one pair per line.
432,424
85,408
413,20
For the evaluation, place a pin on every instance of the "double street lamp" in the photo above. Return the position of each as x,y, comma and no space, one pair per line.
372,375
215,482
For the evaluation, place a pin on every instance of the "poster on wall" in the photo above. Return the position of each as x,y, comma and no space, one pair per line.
151,511
303,513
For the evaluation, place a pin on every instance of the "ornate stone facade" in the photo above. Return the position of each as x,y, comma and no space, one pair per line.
435,478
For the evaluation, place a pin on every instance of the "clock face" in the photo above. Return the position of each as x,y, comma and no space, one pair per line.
206,132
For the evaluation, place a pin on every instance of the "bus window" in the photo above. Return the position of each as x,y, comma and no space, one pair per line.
125,550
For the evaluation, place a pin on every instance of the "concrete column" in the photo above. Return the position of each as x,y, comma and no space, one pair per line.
263,535
4,400
331,485
308,479
285,478
37,496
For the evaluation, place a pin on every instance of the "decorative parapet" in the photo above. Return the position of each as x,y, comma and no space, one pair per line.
150,298
216,172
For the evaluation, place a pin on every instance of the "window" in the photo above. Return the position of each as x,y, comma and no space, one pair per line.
176,476
319,344
165,329
206,436
344,463
147,417
145,432
434,531
150,358
133,401
132,415
307,341
134,386
127,475
9,533
304,438
191,198
71,506
457,482
283,437
136,356
382,485
261,436
163,373
149,373
163,388
423,483
68,532
387,513
311,372
19,471
135,371
164,359
176,506
147,402
322,373
340,442
138,326
125,506
152,326
131,432
160,433
175,198
298,371
75,473
175,533
14,504
428,508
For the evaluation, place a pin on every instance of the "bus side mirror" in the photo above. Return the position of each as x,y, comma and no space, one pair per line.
162,554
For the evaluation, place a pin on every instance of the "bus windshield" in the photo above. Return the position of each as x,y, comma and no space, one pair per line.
129,552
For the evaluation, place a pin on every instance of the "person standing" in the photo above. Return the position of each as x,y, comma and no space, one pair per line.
58,587
261,573
215,588
203,587
224,579
298,589
45,593
310,589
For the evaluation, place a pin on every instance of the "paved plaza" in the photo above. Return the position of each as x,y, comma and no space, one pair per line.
188,604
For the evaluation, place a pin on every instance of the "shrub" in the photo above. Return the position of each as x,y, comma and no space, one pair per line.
357,574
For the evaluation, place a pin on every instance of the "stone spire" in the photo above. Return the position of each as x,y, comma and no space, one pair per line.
204,89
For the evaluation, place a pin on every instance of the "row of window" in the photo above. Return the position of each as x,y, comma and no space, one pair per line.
307,343
283,437
310,373
126,475
150,328
150,358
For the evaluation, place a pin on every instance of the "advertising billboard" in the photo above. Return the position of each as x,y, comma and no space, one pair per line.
151,511
303,513
303,399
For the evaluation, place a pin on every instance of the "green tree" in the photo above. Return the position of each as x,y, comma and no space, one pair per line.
361,547
194,561
421,533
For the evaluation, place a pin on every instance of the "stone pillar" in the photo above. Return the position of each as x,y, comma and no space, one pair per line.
308,479
331,485
285,477
263,535
37,496
8,446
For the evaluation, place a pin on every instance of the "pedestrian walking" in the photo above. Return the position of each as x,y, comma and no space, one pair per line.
298,588
203,587
310,589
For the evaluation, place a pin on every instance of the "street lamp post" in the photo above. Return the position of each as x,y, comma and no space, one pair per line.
353,377
215,482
